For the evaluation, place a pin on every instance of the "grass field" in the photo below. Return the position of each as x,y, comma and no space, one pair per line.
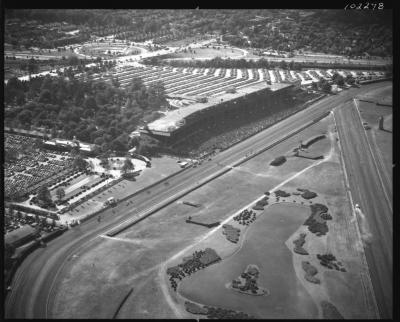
210,53
133,258
185,41
264,247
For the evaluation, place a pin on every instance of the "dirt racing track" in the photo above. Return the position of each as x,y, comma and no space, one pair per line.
37,280
368,191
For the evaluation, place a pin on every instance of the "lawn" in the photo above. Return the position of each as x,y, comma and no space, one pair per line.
210,53
185,41
265,247
132,259
76,184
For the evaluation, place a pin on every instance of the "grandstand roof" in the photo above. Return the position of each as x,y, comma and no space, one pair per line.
171,120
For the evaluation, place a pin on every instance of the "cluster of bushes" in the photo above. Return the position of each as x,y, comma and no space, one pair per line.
215,312
195,308
278,161
247,282
299,242
260,204
232,234
311,271
319,157
328,260
220,313
281,193
329,311
317,221
198,260
307,194
326,216
246,217
312,141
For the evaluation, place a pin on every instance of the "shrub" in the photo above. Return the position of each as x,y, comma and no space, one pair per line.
281,193
278,161
310,272
329,311
194,308
298,245
308,194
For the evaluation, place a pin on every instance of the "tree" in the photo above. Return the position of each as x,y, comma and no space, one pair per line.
25,117
60,193
314,85
80,163
350,79
90,103
105,163
44,196
33,67
338,79
118,145
45,96
128,165
326,87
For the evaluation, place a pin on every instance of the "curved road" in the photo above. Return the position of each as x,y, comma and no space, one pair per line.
38,276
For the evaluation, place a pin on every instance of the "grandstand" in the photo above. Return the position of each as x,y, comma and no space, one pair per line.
174,121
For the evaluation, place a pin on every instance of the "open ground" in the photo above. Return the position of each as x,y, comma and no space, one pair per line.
141,250
41,272
210,53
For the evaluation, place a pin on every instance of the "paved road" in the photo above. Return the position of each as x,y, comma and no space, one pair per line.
34,281
368,191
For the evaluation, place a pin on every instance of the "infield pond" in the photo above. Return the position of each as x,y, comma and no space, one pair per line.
264,246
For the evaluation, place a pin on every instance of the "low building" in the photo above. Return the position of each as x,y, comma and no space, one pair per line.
67,145
20,236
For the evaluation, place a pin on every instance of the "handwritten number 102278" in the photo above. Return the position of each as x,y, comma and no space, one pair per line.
366,5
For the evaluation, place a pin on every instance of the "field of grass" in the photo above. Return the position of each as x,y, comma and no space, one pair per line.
133,258
265,248
210,53
185,41
345,290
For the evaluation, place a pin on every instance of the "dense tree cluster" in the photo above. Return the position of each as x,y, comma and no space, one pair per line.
93,112
350,32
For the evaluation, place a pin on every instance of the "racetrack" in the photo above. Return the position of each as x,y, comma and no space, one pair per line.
368,190
36,279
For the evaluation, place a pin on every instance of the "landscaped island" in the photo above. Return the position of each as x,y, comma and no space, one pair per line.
198,260
247,282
